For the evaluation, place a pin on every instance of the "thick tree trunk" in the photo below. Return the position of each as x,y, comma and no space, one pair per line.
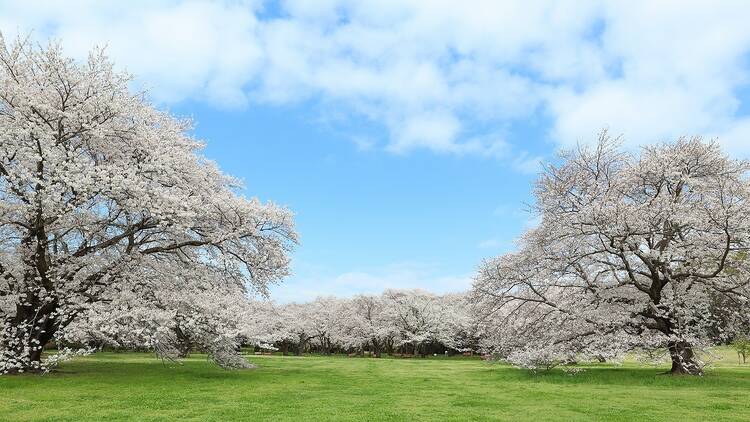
184,345
301,346
36,320
23,340
684,361
375,349
183,350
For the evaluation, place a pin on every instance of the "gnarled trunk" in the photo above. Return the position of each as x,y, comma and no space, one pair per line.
684,361
23,339
184,344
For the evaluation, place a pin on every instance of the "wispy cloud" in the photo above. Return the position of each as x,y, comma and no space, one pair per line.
363,143
404,275
491,244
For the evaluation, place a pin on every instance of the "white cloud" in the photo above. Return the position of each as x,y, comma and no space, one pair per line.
435,130
736,138
491,244
444,75
528,164
178,49
363,143
405,275
681,65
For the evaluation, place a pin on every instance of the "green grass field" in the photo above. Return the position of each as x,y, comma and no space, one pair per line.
130,386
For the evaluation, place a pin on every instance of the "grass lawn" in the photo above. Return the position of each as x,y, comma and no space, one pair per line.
132,386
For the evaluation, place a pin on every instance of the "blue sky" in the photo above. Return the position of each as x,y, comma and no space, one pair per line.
406,135
368,219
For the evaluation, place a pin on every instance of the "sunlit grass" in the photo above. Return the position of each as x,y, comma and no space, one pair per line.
132,386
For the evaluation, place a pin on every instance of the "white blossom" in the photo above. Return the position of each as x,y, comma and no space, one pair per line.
630,254
107,207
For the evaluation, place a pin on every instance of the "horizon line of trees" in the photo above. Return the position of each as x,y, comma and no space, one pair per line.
403,322
409,323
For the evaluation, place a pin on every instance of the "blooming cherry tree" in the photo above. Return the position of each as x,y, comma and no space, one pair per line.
368,324
458,328
180,313
418,317
101,194
296,325
630,253
326,317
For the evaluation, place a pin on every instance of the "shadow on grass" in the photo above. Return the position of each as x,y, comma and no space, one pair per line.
628,376
114,368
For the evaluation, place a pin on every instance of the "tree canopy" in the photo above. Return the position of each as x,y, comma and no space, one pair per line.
102,194
629,254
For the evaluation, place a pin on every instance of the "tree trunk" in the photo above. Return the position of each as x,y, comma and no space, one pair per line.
184,345
684,361
301,346
183,350
375,349
23,340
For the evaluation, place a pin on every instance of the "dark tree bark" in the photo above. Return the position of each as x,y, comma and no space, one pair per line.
375,348
33,326
184,345
684,361
301,345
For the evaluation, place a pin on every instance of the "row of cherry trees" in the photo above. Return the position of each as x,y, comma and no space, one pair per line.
219,322
403,321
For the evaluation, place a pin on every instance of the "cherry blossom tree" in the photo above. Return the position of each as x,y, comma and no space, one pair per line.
409,319
102,194
368,324
173,316
260,324
459,328
630,253
326,317
297,328
418,317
